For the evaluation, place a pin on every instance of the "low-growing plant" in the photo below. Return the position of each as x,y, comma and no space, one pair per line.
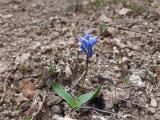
97,3
74,102
125,80
139,9
51,68
28,117
87,44
75,6
103,28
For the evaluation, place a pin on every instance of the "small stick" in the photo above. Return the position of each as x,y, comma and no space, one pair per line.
40,106
57,36
80,78
132,102
4,85
4,91
86,71
135,31
106,111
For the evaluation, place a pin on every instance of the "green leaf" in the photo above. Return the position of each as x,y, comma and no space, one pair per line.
62,93
28,117
86,97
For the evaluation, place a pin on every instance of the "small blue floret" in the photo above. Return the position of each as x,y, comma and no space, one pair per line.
87,44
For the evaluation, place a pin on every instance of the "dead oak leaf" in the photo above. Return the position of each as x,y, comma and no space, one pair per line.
27,88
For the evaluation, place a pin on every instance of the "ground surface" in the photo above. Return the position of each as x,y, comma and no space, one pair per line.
37,33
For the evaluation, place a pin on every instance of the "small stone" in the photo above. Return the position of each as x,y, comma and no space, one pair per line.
111,96
25,57
150,30
35,46
15,7
153,103
3,67
68,71
56,117
103,18
52,99
112,30
57,109
151,110
125,59
136,80
6,16
123,11
46,49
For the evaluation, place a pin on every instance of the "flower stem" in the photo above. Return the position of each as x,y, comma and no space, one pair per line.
86,67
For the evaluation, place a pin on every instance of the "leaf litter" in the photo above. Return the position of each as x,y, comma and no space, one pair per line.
33,34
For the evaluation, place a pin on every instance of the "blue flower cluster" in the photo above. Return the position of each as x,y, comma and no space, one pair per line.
87,44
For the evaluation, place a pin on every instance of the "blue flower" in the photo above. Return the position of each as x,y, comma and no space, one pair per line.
87,44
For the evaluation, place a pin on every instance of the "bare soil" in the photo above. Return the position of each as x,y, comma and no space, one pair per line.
35,34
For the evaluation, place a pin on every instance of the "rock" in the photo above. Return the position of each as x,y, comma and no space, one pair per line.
52,99
125,59
153,102
15,7
113,31
156,4
136,80
46,49
68,71
6,16
151,110
97,117
25,57
121,93
56,117
111,96
123,11
3,67
103,18
57,109
35,46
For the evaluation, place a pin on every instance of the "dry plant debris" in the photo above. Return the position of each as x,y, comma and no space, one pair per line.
35,33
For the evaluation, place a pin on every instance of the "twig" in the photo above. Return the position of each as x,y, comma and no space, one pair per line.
151,74
131,102
24,77
4,85
40,106
106,111
102,111
135,31
86,72
74,110
108,117
80,78
4,91
57,36
145,17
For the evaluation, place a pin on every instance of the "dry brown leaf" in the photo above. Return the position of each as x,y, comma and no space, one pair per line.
27,88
